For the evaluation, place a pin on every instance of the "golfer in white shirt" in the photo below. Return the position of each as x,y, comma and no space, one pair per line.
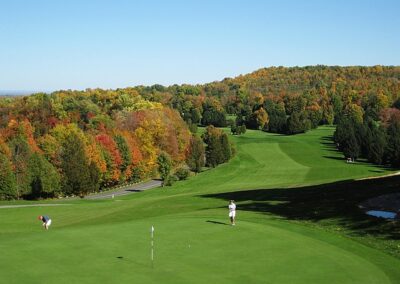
232,212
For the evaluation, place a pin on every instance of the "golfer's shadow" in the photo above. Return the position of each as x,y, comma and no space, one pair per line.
216,222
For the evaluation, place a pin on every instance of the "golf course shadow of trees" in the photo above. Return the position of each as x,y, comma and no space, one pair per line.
335,204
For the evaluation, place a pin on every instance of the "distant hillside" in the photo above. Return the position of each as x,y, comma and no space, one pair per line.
13,93
311,95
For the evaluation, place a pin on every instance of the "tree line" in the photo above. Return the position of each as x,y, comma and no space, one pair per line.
377,140
282,100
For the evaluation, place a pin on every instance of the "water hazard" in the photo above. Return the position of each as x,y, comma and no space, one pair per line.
382,214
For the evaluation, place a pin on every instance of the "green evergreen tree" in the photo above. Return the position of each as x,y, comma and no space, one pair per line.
377,145
195,158
350,136
20,157
277,119
75,168
164,166
361,132
45,180
351,148
393,144
298,123
341,134
218,149
95,177
213,116
225,148
123,149
214,154
8,189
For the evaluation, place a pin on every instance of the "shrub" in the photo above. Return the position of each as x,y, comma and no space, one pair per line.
182,173
170,180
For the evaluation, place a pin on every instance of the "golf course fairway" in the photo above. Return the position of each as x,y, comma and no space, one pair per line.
108,241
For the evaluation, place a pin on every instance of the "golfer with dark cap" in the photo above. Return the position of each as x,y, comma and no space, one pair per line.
46,221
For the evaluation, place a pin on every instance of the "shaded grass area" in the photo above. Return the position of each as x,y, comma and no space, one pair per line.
333,206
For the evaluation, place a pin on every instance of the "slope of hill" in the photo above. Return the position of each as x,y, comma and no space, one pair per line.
286,231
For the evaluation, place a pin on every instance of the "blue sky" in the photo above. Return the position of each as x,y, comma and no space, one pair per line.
50,45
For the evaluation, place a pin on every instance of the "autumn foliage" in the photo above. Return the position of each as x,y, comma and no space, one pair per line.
116,136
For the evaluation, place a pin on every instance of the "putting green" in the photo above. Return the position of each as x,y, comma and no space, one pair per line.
108,241
187,249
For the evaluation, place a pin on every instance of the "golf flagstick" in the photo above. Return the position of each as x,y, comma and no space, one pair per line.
152,246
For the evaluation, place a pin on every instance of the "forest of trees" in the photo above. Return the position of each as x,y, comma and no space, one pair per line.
283,100
75,142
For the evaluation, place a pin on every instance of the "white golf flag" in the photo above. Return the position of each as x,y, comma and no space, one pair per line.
152,229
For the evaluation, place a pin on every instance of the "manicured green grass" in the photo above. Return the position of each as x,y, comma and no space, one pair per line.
287,231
